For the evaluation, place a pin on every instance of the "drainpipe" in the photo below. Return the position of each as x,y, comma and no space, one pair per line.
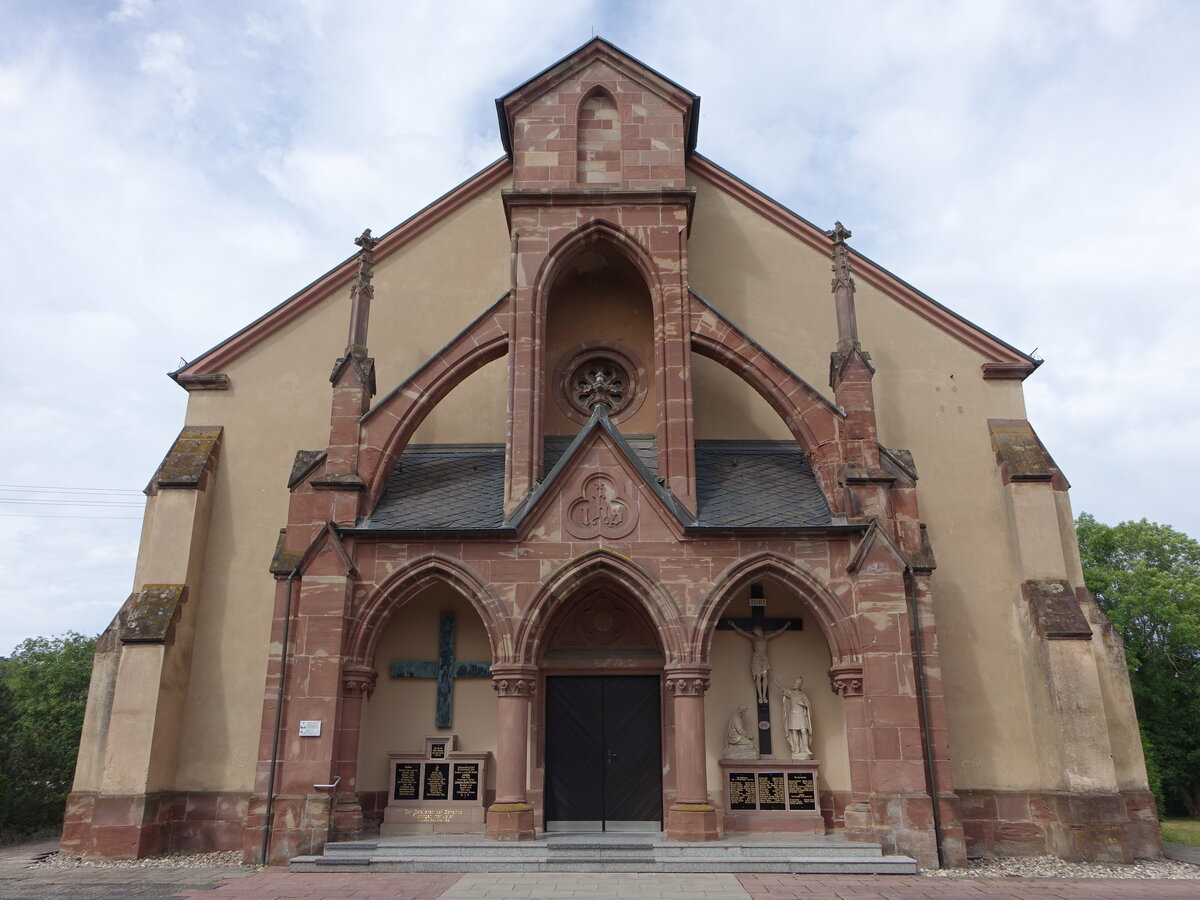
910,590
283,659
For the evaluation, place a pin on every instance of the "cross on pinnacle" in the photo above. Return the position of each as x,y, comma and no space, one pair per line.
365,240
839,233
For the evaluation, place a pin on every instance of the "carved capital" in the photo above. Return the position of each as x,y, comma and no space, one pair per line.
688,681
846,679
514,681
514,687
359,681
684,686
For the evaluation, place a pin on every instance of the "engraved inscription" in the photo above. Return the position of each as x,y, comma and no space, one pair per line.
437,781
437,751
801,791
407,775
742,791
466,781
770,790
432,815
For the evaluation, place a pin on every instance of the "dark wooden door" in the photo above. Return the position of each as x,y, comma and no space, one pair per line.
603,752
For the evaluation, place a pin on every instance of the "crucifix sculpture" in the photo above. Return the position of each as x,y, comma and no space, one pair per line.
759,629
445,669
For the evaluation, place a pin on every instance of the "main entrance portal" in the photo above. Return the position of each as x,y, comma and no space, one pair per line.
603,753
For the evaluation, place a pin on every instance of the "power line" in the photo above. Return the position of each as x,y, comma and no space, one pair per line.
58,489
52,516
42,502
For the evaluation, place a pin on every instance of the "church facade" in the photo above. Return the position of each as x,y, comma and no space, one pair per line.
570,539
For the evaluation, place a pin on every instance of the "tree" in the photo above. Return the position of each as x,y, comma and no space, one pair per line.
43,692
1146,577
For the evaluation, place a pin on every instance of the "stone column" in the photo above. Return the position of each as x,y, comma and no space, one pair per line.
691,817
510,817
357,684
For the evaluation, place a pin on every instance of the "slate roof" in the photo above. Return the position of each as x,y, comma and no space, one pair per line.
740,484
440,486
757,484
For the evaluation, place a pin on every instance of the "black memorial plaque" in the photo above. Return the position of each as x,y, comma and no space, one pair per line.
770,790
466,781
437,781
802,794
742,792
437,751
407,776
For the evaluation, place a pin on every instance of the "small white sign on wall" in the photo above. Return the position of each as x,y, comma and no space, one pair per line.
310,728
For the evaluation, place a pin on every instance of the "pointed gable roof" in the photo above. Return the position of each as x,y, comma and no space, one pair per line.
597,48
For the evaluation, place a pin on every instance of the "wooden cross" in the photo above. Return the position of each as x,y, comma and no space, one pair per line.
445,669
758,617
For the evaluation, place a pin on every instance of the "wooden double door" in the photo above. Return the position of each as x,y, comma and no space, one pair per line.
603,753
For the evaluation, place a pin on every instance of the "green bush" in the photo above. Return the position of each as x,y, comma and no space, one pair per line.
43,693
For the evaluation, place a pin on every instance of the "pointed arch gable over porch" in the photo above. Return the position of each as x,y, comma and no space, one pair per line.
407,582
387,427
597,567
814,421
835,620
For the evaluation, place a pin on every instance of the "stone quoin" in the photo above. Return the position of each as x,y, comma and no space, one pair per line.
483,587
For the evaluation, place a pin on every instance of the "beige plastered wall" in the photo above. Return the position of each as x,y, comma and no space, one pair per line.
278,403
401,711
793,654
931,399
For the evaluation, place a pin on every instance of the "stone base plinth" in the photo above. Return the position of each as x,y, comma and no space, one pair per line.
766,796
510,822
432,819
692,822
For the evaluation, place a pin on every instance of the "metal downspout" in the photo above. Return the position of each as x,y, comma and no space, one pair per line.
283,659
910,590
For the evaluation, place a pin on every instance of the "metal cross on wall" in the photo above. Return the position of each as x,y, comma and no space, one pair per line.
758,618
445,669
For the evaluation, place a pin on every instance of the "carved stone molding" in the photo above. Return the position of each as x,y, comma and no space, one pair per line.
841,256
359,681
846,679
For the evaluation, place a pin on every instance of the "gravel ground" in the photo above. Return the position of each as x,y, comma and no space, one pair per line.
1030,867
1053,867
229,859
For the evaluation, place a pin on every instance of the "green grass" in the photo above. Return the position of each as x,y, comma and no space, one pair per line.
1182,831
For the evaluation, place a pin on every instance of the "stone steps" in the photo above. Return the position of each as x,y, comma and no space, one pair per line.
597,853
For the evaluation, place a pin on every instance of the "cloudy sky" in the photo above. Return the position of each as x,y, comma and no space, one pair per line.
171,170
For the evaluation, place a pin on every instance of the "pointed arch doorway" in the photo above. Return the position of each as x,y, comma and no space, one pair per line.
602,717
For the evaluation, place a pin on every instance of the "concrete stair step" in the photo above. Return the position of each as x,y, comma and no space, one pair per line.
599,853
811,865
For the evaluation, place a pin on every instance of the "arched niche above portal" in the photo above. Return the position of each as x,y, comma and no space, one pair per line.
599,312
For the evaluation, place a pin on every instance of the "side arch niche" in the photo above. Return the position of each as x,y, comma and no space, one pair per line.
598,140
792,654
727,407
473,411
401,711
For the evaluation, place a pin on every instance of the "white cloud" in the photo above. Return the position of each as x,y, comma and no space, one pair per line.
166,53
130,9
171,171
